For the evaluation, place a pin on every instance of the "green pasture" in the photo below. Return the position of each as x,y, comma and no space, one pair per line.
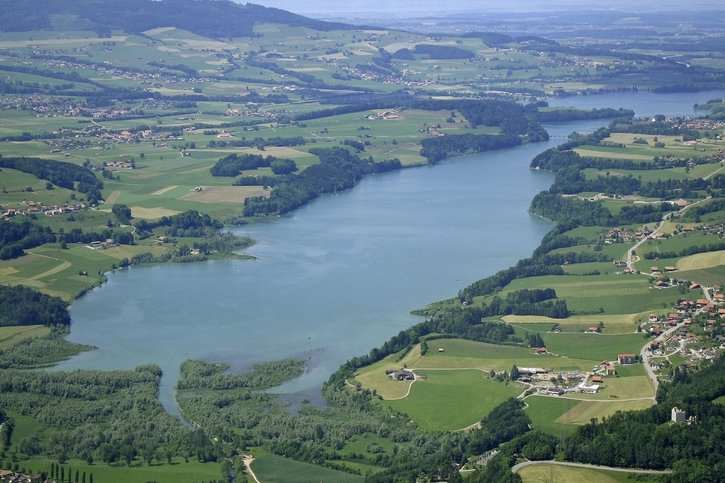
679,242
591,268
546,411
589,233
56,271
705,170
704,276
613,323
673,146
13,334
593,347
271,468
362,444
14,190
614,251
138,472
26,426
467,354
649,175
584,411
374,377
543,473
702,260
449,400
16,122
356,466
620,388
593,294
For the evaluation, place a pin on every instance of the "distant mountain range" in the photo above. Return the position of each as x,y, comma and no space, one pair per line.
209,18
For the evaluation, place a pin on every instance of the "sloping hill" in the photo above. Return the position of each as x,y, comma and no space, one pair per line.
209,18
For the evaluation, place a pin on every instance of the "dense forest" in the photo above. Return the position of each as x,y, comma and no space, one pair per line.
24,306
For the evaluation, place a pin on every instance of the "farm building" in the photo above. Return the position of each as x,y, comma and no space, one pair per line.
627,358
401,375
532,370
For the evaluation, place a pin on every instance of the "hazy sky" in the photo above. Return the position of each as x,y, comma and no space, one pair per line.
413,8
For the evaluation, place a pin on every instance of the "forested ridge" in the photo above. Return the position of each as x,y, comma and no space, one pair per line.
217,19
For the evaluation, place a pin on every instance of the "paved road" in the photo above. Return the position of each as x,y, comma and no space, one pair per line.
643,354
517,467
631,251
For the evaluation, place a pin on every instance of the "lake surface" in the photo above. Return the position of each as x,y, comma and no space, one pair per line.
339,276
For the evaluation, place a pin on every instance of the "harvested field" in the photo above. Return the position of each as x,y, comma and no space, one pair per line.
225,194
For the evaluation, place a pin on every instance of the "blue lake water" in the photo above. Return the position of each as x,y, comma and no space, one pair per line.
339,276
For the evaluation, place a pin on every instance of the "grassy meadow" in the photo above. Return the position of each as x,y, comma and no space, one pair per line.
544,473
450,400
271,468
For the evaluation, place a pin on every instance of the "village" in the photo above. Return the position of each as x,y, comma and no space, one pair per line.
9,476
30,207
690,333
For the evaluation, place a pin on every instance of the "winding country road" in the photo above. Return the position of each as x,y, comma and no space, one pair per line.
631,252
644,356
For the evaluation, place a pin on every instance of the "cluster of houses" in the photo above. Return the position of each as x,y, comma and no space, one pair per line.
160,76
36,207
697,123
683,340
251,112
41,106
9,476
559,383
108,243
355,72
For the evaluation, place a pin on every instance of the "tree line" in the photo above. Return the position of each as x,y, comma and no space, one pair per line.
189,223
234,164
16,237
21,305
337,170
60,173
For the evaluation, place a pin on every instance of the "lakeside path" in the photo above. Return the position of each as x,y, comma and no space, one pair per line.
516,468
